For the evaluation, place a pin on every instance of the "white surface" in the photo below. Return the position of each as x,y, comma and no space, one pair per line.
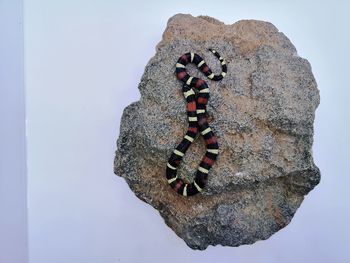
83,61
13,207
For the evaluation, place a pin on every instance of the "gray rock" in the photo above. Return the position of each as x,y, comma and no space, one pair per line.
262,113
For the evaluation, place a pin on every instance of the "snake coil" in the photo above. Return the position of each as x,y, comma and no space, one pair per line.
196,92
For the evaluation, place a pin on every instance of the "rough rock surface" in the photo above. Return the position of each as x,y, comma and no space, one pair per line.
262,113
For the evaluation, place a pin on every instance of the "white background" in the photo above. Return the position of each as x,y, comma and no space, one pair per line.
82,63
13,210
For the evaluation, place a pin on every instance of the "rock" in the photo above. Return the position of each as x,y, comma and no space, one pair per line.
262,113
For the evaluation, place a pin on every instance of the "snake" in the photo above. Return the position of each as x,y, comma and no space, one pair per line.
196,93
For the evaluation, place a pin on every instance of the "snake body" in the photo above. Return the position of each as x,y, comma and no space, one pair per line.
196,92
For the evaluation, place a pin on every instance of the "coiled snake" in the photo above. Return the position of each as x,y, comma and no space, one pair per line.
196,92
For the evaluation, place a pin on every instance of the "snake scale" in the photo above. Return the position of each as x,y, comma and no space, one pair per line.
196,92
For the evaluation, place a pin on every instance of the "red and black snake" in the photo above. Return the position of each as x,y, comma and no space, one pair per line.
196,92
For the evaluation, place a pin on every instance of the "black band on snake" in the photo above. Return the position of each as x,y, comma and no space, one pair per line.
196,92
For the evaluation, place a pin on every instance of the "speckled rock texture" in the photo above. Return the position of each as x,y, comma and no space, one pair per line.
262,113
